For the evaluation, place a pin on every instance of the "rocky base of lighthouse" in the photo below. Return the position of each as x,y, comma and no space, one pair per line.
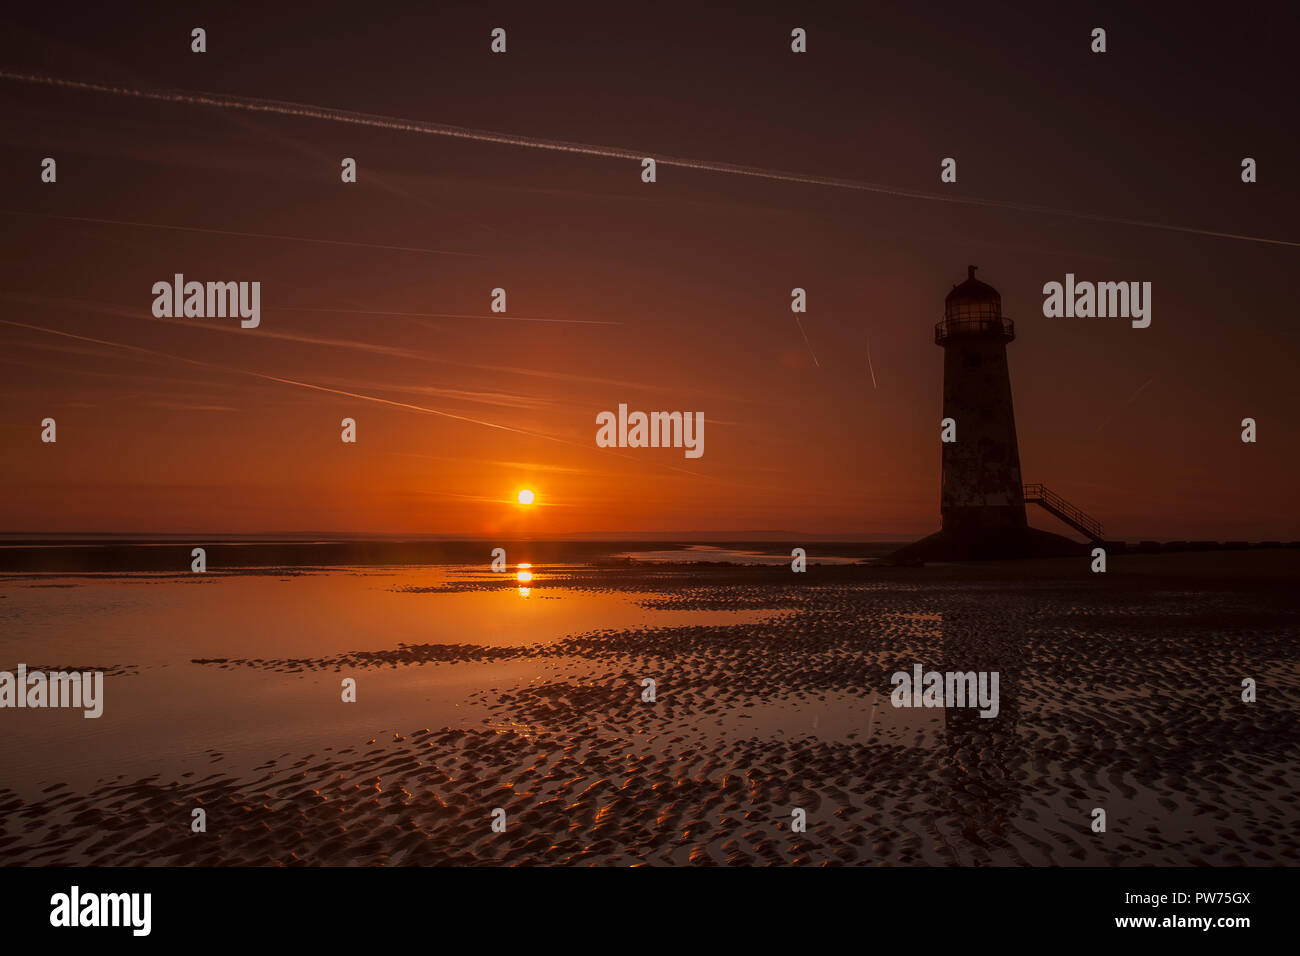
1003,544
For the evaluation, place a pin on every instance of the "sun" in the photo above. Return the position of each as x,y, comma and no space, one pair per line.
526,496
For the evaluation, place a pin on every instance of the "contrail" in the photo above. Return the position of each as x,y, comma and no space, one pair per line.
243,235
872,367
807,343
446,315
258,105
286,381
123,311
128,313
1133,397
372,398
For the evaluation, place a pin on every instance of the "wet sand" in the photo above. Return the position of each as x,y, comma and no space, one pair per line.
1120,691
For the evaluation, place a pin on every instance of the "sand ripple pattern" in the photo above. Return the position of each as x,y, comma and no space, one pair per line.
1121,694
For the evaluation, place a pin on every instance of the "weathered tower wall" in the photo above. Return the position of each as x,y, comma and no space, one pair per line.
982,488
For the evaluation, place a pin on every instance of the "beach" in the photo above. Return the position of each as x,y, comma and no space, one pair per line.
479,692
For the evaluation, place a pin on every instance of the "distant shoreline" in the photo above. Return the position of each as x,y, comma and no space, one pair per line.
81,555
73,556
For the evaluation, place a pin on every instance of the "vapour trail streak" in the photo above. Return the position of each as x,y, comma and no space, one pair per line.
1132,398
258,105
366,346
365,398
806,342
283,381
243,235
444,315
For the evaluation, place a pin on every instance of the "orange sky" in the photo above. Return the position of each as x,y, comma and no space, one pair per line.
670,296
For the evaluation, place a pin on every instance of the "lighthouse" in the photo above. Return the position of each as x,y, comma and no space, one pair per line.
981,498
982,491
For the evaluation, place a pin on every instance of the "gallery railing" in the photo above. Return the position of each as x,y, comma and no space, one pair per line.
1002,327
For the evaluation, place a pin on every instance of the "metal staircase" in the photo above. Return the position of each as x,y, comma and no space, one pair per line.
1053,503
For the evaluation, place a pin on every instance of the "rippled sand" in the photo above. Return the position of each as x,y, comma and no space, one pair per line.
1120,691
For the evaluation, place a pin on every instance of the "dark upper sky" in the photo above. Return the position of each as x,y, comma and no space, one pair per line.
693,272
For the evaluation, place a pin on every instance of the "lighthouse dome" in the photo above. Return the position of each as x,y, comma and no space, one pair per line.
973,309
972,299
